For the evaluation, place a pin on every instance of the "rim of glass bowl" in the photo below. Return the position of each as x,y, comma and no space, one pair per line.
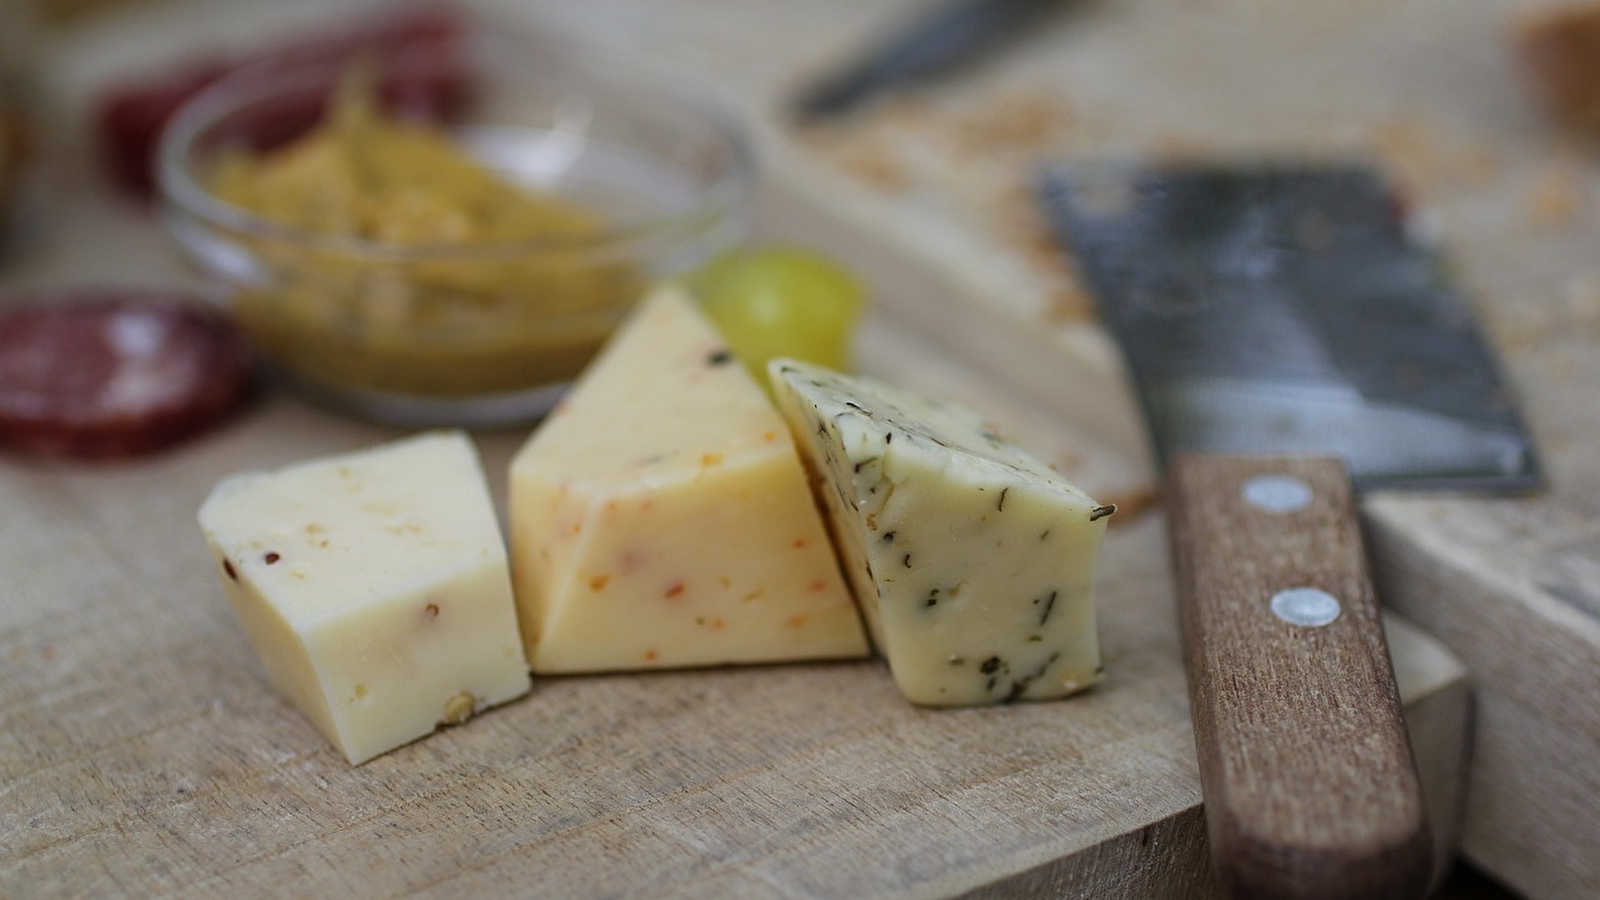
182,191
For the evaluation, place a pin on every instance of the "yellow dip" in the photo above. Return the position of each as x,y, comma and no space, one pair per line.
406,266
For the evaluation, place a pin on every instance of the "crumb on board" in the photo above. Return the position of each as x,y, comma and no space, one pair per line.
1425,155
1555,198
978,155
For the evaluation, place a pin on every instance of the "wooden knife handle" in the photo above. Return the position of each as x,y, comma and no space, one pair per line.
1309,783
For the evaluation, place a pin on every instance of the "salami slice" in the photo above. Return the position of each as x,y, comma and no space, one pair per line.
103,374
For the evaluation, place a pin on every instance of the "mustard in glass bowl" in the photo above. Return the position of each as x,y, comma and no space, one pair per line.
447,239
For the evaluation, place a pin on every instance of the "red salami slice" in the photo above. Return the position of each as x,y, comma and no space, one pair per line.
103,373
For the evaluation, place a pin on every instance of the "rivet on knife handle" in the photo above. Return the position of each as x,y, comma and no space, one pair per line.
1309,783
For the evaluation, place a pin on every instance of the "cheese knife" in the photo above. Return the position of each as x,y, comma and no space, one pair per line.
1292,342
938,40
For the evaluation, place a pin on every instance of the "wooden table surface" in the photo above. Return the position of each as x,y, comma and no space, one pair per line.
143,751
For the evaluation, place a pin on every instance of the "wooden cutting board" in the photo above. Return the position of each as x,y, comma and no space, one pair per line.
142,751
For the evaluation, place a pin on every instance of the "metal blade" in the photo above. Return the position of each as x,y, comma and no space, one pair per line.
1288,310
942,39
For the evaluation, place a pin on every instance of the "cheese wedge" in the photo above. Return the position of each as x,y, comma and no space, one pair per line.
375,588
974,564
660,517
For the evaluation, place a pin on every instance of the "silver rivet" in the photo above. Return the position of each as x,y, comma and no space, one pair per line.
1276,493
1305,606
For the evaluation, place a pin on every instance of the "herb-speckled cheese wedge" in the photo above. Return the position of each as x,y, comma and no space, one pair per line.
661,517
973,562
375,588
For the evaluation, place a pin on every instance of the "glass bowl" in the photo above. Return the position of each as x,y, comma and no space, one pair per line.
476,333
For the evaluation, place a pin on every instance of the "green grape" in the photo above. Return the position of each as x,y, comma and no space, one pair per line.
782,301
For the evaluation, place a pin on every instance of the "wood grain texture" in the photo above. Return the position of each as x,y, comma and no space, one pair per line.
1526,619
1305,765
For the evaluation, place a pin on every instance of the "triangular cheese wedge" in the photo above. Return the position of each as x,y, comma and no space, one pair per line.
660,517
974,563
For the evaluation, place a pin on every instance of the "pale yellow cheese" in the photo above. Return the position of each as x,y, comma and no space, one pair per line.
660,517
973,562
375,588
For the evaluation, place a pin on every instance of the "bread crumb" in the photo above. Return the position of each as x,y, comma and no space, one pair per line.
1555,198
976,157
878,168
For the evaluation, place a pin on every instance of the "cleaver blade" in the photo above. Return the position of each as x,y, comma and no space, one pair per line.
1291,309
1290,341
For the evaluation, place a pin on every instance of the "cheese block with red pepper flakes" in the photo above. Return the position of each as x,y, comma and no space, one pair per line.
375,588
974,562
660,517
